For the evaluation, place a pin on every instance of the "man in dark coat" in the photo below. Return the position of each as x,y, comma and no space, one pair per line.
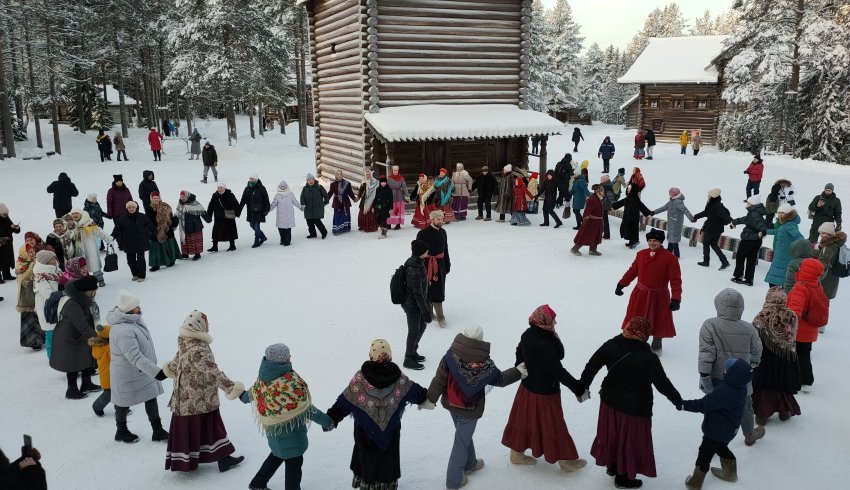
24,473
577,136
117,198
717,217
133,231
210,158
71,354
650,143
549,191
7,253
224,227
632,209
63,190
146,187
415,304
255,198
486,184
563,173
438,263
824,208
606,153
314,198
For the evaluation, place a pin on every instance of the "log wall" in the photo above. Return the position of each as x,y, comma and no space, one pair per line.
678,109
414,157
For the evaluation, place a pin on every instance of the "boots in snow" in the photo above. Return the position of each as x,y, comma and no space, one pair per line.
462,484
575,251
704,263
757,434
656,345
74,393
594,252
570,465
214,247
724,266
411,363
159,434
229,462
124,435
232,246
196,257
622,481
479,463
203,181
521,458
441,319
88,387
728,470
694,482
383,232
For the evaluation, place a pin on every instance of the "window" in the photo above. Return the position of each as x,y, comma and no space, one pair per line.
653,103
678,103
658,125
702,104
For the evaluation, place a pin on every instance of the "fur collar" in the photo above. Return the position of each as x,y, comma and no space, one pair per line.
789,217
838,239
193,334
93,341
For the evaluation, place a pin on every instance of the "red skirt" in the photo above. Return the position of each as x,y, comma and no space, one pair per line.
194,243
767,402
422,219
366,222
448,213
624,443
194,439
537,422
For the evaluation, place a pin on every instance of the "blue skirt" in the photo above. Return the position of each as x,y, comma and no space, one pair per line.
342,221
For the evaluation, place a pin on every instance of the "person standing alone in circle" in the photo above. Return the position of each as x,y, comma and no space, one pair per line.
415,304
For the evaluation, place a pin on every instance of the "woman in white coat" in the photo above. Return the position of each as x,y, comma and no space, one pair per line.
45,281
88,237
460,194
285,202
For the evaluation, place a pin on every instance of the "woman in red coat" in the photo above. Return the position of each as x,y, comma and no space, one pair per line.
640,144
655,268
590,232
811,305
155,140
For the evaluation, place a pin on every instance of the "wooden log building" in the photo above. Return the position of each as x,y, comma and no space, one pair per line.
680,87
422,84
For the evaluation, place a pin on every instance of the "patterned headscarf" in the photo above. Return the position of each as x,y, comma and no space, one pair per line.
543,317
380,352
638,328
777,324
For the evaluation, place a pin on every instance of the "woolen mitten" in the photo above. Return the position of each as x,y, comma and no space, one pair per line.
705,384
619,290
674,304
523,371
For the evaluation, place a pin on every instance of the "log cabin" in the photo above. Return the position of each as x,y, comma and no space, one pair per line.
630,110
680,86
421,84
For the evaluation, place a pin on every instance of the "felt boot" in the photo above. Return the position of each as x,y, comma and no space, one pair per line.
694,482
521,458
728,470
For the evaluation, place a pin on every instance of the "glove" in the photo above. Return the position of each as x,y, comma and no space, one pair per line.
619,290
674,305
428,318
584,396
679,406
523,371
160,376
746,171
427,405
705,384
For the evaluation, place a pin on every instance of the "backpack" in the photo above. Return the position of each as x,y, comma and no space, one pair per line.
456,398
817,309
842,263
51,307
398,285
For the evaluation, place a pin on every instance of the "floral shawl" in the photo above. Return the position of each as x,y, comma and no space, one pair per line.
280,403
163,220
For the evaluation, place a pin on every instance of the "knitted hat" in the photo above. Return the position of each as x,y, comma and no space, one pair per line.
3,208
131,203
44,256
474,332
508,168
418,247
543,317
184,194
621,171
728,363
91,197
380,352
584,163
714,193
673,192
785,208
283,185
655,234
311,176
154,194
829,186
127,301
754,199
828,228
29,234
87,283
638,328
436,214
253,176
277,353
117,177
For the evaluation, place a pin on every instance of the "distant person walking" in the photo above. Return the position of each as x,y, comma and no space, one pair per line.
104,145
754,173
650,143
155,141
577,136
120,147
195,138
606,153
63,190
210,159
696,140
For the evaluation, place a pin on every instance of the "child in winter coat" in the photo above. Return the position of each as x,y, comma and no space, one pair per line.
102,353
286,203
723,408
463,376
580,193
754,173
676,213
684,139
811,305
45,281
751,239
283,408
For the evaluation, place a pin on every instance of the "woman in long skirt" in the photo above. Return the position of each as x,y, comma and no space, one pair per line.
164,249
520,204
537,420
398,186
190,213
443,188
46,274
777,378
423,196
462,182
366,196
341,195
623,441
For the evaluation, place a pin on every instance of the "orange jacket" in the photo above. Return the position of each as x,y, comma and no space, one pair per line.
800,298
101,352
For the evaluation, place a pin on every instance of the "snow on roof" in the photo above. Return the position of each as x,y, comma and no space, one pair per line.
443,121
629,102
676,60
112,97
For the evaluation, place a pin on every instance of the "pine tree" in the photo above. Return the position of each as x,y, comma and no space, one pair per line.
101,117
666,22
542,84
594,78
565,44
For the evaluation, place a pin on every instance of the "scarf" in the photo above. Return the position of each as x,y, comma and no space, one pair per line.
777,325
397,178
378,404
426,188
163,221
371,187
281,403
46,272
188,207
472,377
342,190
544,318
445,186
24,264
283,191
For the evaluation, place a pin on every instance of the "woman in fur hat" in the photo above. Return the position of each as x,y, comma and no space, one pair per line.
163,249
197,433
423,196
376,398
284,409
189,214
45,282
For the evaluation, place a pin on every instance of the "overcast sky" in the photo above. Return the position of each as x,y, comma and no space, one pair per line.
617,21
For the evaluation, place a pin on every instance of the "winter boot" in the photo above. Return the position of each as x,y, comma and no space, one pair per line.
694,482
124,435
656,345
203,181
622,481
154,268
783,416
479,218
479,463
416,357
74,393
184,256
575,251
101,283
594,252
728,470
724,266
159,434
383,232
196,257
232,246
257,243
89,387
521,458
463,483
411,363
757,434
704,263
441,319
229,462
570,465
490,219
214,247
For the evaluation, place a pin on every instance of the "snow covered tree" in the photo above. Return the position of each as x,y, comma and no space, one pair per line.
594,82
541,81
565,43
101,117
666,22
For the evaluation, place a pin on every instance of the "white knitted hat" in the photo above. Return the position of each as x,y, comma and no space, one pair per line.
127,301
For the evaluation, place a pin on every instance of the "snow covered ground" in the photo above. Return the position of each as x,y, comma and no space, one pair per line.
500,273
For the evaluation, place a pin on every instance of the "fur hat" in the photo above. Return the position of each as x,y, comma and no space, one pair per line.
277,353
829,186
508,168
753,200
621,171
828,228
117,177
418,247
45,256
655,234
91,197
474,332
714,193
380,351
638,328
673,192
785,208
127,301
87,283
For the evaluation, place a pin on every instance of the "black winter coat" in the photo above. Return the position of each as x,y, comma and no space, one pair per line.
56,243
486,184
12,477
256,200
717,217
724,407
224,230
71,352
192,222
146,186
133,232
632,209
438,243
383,203
650,138
753,223
416,286
542,352
830,211
632,372
7,253
563,173
63,190
549,190
314,198
209,156
577,136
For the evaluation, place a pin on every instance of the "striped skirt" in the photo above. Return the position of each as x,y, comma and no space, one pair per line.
342,221
195,439
421,219
366,222
194,243
32,335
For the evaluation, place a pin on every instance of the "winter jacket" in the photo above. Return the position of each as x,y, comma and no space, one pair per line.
464,352
800,250
116,201
619,184
696,141
650,138
804,292
580,192
829,212
577,136
640,141
505,202
146,187
632,209
542,352
224,229
314,198
684,139
195,138
726,335
119,142
12,477
787,194
676,213
828,256
659,280
399,189
44,285
133,232
486,184
340,194
63,190
610,197
102,353
462,183
755,171
104,144
724,407
190,213
78,316
633,370
415,286
255,198
606,150
285,205
209,156
787,232
753,222
133,365
383,203
549,190
95,212
563,174
155,140
716,218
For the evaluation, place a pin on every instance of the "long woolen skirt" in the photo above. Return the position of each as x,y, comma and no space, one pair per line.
421,219
163,254
342,221
194,243
775,381
32,335
366,222
537,422
448,213
195,439
624,442
397,215
459,206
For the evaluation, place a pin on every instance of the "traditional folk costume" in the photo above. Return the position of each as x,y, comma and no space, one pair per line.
366,220
443,188
341,195
397,184
190,213
163,249
423,196
462,183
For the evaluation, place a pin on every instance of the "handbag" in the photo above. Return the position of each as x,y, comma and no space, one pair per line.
532,207
229,214
110,262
